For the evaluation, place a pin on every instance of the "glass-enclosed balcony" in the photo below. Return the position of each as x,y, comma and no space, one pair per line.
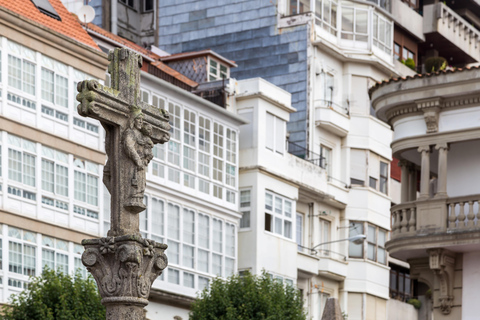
358,25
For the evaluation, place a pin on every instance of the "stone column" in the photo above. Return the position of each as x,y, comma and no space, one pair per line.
442,170
403,164
412,191
425,173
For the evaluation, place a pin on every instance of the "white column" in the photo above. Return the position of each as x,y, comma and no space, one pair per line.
425,173
442,170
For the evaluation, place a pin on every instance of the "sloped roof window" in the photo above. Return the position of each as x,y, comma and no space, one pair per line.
45,7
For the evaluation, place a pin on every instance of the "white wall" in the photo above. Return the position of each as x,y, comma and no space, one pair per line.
463,168
471,283
157,311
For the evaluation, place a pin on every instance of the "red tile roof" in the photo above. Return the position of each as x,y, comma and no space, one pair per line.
122,41
69,26
420,75
157,64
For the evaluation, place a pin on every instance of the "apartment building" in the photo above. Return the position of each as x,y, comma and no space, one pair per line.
326,54
51,190
435,230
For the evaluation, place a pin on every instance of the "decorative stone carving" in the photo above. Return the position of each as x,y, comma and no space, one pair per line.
431,119
132,127
442,264
124,264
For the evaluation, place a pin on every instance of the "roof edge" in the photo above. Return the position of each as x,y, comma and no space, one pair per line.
14,21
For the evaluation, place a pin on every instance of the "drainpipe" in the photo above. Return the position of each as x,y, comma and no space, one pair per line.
156,10
310,224
113,17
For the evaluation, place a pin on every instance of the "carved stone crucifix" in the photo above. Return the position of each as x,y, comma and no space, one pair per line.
124,264
132,127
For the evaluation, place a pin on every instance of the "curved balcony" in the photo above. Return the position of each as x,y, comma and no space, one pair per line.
424,224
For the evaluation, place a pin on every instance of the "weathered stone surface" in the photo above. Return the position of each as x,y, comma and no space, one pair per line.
332,310
125,268
132,127
124,264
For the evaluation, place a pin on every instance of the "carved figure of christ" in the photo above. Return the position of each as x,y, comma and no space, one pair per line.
132,127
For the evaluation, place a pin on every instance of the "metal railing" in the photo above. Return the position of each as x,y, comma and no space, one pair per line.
335,106
305,154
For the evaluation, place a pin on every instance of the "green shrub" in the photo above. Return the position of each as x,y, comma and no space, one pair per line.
417,304
410,63
434,64
56,296
248,297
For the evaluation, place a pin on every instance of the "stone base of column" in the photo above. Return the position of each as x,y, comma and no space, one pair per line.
124,308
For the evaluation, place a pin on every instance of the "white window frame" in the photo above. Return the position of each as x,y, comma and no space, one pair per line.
217,70
277,214
275,133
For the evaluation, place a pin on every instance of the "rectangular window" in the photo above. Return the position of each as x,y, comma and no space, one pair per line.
355,250
175,115
327,88
382,33
279,220
325,158
383,177
299,231
275,134
85,184
245,208
354,24
326,15
325,230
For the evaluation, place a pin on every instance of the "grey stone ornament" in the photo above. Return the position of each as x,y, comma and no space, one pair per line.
124,264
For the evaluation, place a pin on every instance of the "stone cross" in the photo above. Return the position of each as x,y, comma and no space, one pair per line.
124,264
131,127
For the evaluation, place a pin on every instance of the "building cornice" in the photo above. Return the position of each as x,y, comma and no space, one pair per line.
435,138
418,106
43,227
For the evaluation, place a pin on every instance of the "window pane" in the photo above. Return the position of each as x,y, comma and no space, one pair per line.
80,186
29,169
188,256
173,221
47,85
355,250
278,225
217,235
202,260
230,239
188,226
203,231
29,77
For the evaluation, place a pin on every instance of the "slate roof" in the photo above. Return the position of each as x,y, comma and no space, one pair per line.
68,26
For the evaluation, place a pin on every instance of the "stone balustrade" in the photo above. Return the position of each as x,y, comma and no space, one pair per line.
434,216
463,212
404,219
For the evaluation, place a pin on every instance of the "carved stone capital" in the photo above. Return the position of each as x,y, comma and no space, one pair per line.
425,148
442,145
124,268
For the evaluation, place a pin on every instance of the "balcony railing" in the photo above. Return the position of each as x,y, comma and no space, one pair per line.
463,213
335,106
305,154
453,27
437,216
